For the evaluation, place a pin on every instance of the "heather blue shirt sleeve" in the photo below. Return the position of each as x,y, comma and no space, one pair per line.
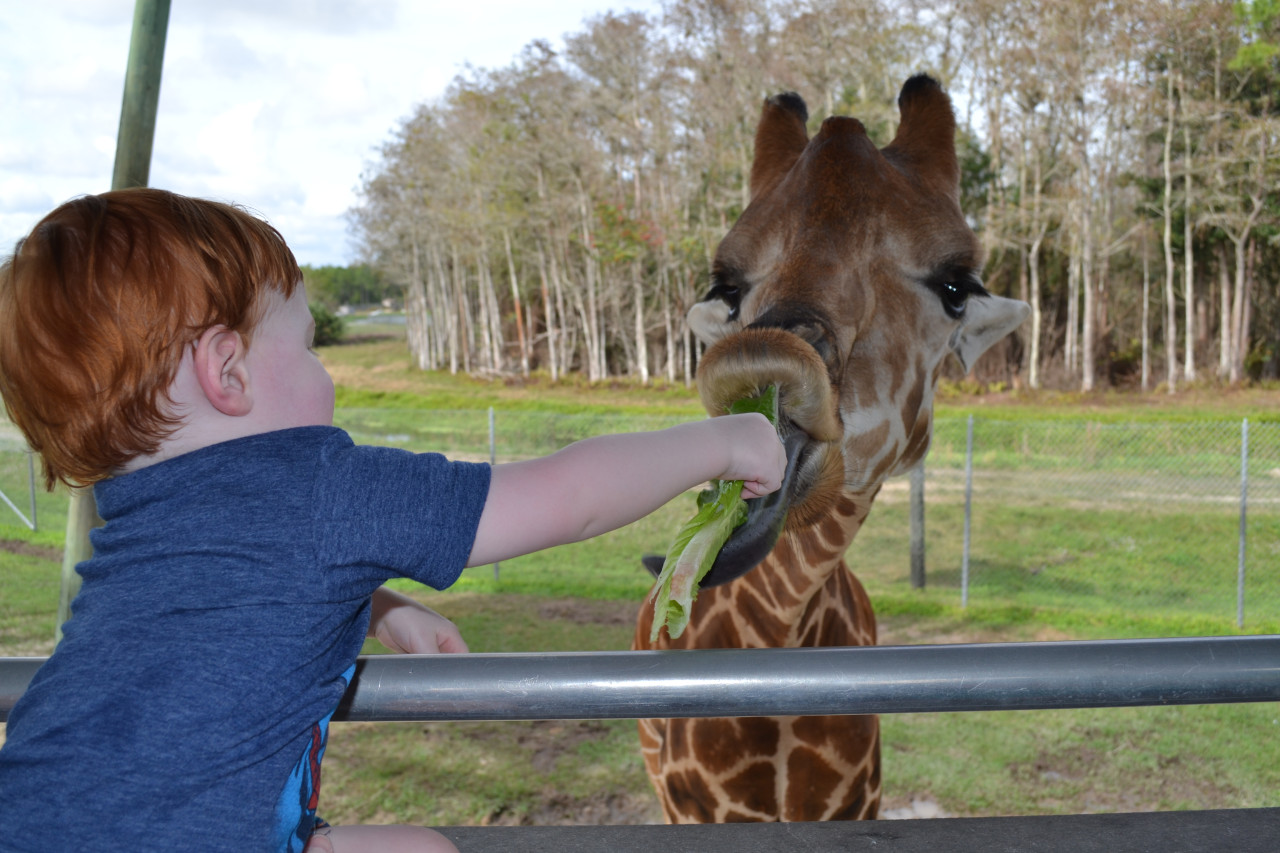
382,512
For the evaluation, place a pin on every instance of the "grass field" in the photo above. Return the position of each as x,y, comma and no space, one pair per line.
1035,569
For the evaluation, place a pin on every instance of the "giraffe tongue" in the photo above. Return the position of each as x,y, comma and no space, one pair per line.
752,541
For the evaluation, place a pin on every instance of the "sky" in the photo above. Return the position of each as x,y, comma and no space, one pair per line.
277,105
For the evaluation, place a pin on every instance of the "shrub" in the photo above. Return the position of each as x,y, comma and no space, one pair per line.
329,326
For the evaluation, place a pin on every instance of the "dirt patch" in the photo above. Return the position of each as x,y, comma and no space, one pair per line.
27,549
584,611
902,631
548,741
1072,780
597,810
914,631
546,744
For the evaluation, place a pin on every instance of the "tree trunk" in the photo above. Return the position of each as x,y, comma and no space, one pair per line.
1188,258
1090,309
521,339
553,363
1071,350
1037,313
415,310
462,305
591,318
668,323
1146,313
1171,312
568,332
642,345
1033,270
1224,313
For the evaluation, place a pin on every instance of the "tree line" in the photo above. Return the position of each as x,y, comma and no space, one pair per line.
1119,161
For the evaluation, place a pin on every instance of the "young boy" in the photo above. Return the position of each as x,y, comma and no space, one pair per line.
158,348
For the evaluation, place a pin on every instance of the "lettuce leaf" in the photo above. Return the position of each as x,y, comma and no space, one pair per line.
721,509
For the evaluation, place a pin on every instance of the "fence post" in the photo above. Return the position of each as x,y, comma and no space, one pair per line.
493,460
132,168
968,512
917,526
1244,508
31,485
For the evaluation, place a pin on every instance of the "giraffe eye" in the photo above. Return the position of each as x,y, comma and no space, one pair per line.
729,295
954,299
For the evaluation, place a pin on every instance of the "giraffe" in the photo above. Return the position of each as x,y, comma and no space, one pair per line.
847,280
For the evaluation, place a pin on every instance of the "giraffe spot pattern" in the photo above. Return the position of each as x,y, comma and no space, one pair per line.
689,794
812,782
715,745
754,788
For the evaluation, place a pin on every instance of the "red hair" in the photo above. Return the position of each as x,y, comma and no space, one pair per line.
97,305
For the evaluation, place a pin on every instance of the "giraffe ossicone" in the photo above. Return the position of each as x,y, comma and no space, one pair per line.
848,281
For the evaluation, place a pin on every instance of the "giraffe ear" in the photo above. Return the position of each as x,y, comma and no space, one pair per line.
987,319
926,140
780,138
712,319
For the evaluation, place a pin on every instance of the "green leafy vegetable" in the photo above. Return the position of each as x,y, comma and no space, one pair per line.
721,509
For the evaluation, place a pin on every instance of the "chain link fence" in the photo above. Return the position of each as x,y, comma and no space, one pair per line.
1165,518
18,489
478,435
1176,518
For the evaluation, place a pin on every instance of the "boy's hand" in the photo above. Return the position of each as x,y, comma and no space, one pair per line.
407,627
756,454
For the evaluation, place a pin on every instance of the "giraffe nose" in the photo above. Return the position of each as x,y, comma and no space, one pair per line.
803,322
741,364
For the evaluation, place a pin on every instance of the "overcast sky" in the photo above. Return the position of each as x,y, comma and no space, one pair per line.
278,105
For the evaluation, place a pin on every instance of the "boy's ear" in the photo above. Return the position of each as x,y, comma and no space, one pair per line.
221,370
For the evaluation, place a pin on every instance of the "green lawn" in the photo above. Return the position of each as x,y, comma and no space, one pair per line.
1070,570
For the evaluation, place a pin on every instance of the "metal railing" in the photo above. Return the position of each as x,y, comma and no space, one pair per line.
787,682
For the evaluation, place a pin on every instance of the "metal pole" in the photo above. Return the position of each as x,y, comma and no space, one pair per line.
82,517
790,682
968,513
31,486
1244,510
493,460
141,94
132,169
917,527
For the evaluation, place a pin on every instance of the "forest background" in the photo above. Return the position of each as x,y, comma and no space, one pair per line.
1120,162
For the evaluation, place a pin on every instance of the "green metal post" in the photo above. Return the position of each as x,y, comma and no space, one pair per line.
132,169
916,480
141,94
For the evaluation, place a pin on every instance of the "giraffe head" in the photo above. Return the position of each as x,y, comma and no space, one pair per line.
848,280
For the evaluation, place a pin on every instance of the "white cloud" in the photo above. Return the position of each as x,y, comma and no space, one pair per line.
278,105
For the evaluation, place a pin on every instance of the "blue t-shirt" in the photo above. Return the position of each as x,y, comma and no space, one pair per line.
217,627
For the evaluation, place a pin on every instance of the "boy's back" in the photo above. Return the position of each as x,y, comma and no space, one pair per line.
214,634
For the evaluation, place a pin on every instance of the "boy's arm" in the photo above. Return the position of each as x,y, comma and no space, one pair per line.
603,483
405,626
